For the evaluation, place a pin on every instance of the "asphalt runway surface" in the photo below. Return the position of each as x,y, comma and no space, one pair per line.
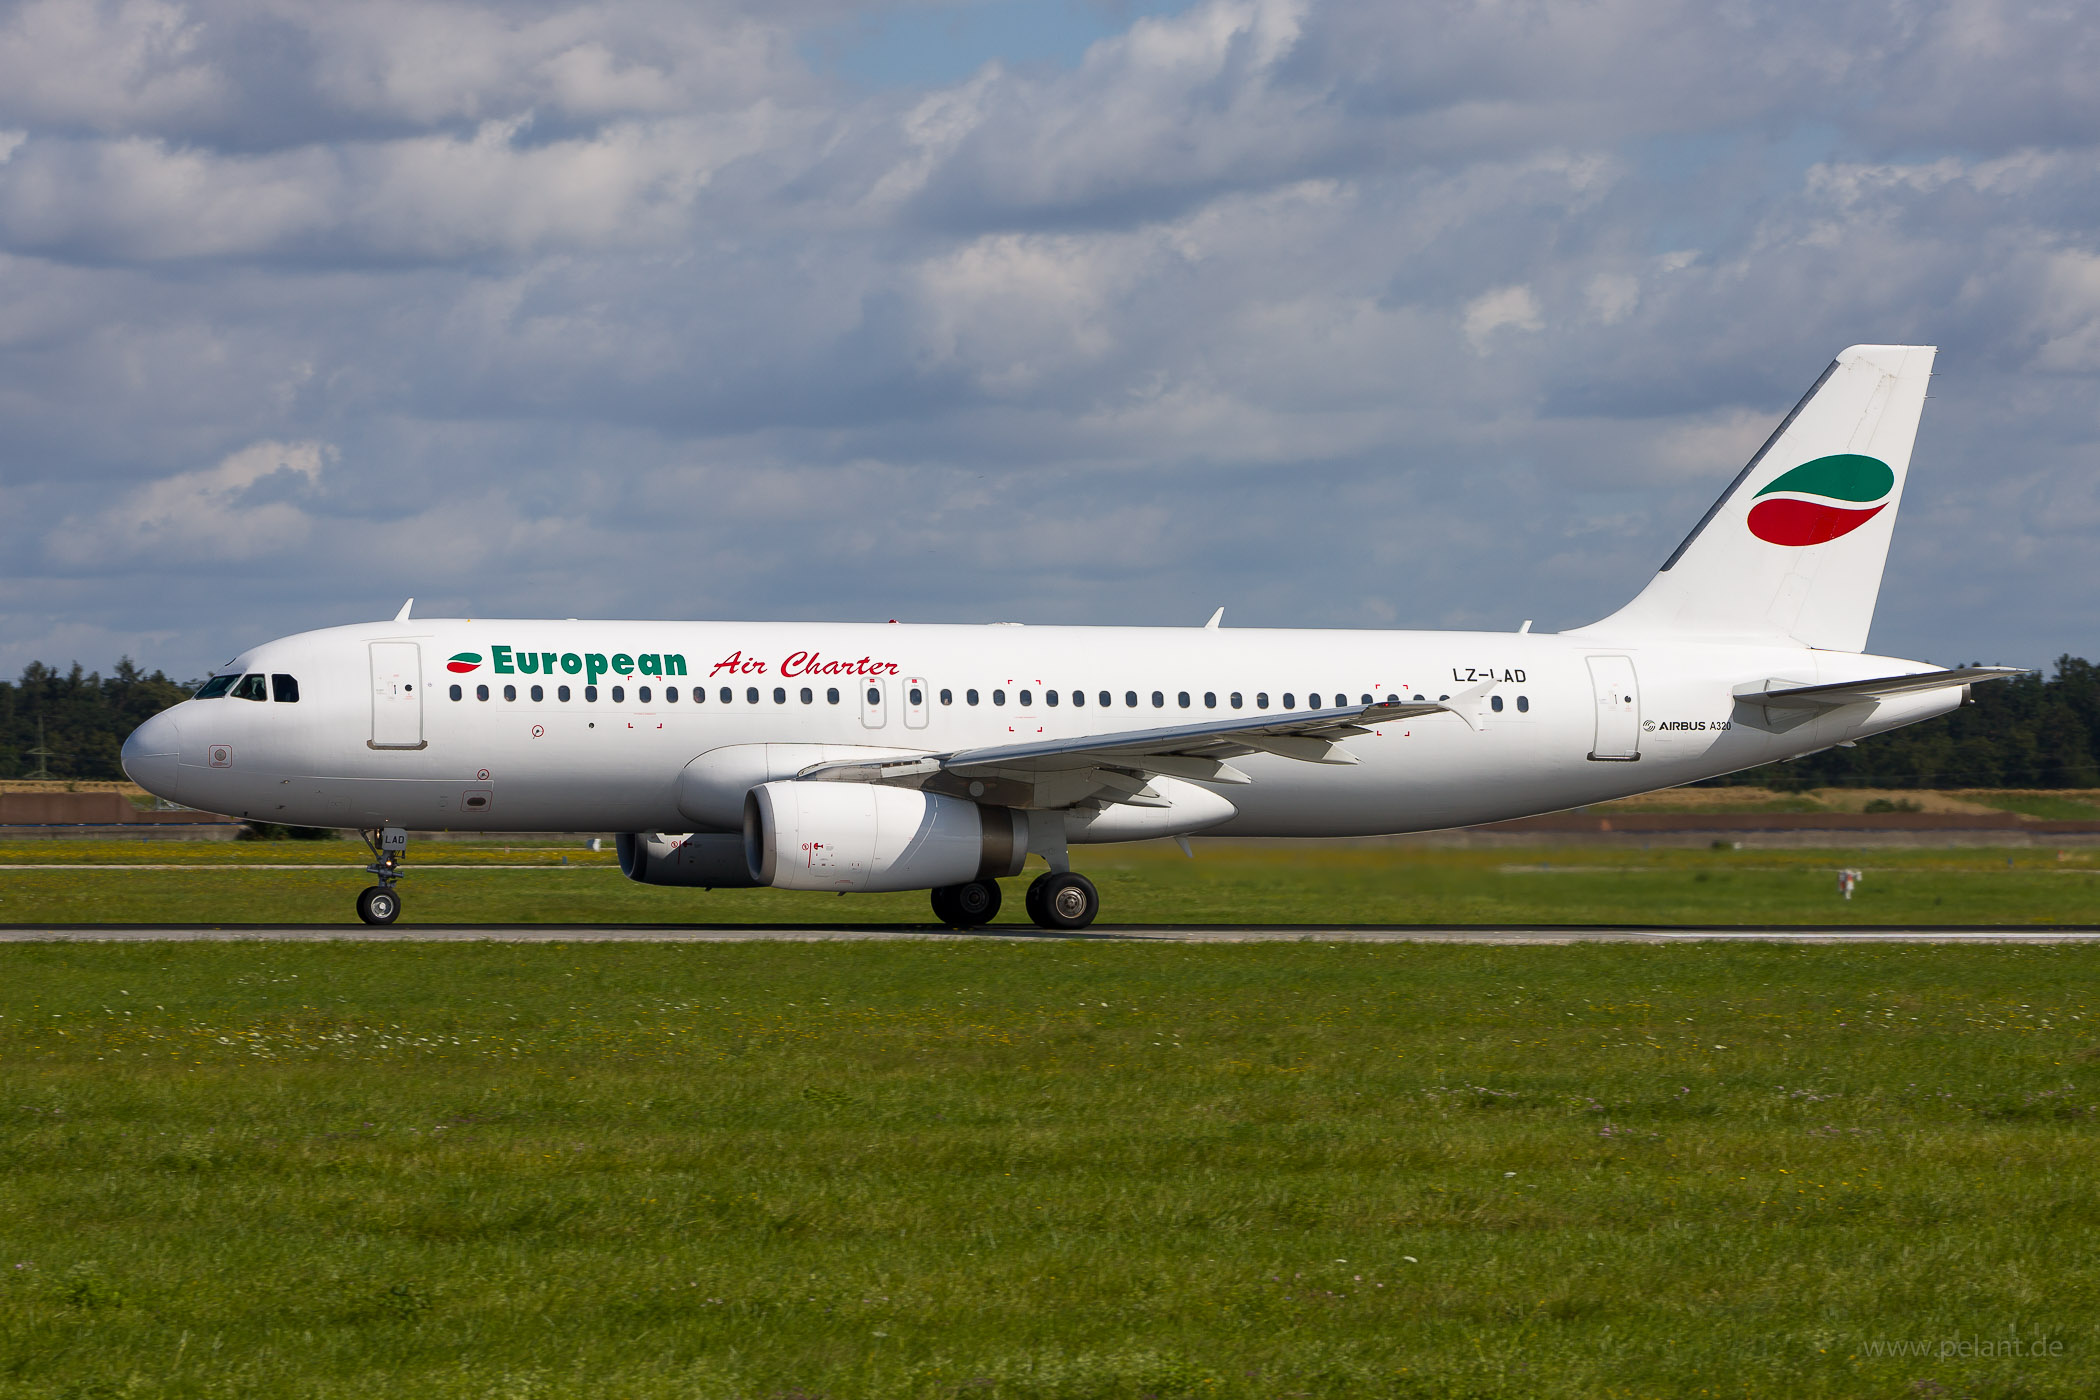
1099,933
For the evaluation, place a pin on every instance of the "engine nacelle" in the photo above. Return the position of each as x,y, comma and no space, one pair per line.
870,838
709,861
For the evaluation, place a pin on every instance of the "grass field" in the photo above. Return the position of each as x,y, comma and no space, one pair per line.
1053,1170
1287,883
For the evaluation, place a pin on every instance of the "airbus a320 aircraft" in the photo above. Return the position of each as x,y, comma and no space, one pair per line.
888,757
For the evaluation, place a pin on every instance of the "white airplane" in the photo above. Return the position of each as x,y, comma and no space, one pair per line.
861,758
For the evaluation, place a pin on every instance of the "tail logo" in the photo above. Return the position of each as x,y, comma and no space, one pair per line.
463,662
1822,500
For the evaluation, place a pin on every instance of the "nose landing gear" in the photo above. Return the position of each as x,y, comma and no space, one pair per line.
380,904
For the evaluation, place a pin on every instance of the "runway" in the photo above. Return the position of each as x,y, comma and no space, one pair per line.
1100,933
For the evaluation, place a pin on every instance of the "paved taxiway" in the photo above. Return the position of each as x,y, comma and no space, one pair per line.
1110,933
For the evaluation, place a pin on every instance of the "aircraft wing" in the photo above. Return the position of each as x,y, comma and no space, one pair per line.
1779,695
1107,768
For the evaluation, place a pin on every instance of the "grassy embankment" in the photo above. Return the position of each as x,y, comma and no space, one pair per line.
1045,1170
1286,883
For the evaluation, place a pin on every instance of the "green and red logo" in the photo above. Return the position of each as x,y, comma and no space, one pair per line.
1822,500
463,662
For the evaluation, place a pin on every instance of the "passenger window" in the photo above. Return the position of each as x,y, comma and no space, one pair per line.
1107,699
1235,699
1523,704
947,697
1159,700
619,695
538,694
727,695
215,687
1210,699
670,695
1495,703
750,695
1392,699
510,693
1183,696
481,692
250,688
1050,698
590,694
1027,699
284,689
1261,699
809,697
1368,700
969,697
916,697
1290,701
1418,699
874,695
458,694
641,694
561,693
1130,698
998,697
780,695
831,696
1312,701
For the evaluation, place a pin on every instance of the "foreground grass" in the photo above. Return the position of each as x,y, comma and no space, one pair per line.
1258,883
1045,1170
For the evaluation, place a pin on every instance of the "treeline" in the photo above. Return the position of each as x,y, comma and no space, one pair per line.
86,717
2027,732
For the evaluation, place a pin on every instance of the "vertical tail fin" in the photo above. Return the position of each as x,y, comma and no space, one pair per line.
1795,547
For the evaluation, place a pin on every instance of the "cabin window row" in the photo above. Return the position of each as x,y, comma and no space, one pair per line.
645,695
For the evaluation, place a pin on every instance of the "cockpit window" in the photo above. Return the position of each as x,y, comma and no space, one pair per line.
250,688
215,687
284,689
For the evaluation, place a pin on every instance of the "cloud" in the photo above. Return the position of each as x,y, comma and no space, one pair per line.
1306,308
246,508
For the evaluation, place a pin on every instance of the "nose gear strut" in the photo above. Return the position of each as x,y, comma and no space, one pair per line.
379,904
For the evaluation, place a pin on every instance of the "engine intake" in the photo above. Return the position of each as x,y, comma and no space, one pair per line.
870,838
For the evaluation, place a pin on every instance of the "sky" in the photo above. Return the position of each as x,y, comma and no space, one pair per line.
1441,314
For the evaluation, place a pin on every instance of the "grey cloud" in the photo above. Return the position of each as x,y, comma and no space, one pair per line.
1348,314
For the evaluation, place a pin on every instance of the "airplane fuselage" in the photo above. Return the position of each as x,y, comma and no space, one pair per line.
590,726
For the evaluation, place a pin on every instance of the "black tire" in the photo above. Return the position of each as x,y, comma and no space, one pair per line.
378,905
976,903
1065,901
1032,902
944,910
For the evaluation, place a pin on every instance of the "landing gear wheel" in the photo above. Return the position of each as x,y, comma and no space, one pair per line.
378,905
968,905
1063,900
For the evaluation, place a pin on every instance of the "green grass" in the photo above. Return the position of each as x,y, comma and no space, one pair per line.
1046,1170
2047,806
1271,883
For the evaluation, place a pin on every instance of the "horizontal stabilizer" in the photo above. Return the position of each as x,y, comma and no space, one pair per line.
1778,695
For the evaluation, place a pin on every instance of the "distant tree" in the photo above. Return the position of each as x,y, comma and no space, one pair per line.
86,716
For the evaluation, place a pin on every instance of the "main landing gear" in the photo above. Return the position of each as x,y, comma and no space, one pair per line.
967,905
1058,900
380,904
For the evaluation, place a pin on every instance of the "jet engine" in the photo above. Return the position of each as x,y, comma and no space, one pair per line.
867,838
712,861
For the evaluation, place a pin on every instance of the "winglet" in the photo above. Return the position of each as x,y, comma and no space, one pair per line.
402,616
1215,618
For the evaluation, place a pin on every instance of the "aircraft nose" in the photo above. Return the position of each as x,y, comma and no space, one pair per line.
151,753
